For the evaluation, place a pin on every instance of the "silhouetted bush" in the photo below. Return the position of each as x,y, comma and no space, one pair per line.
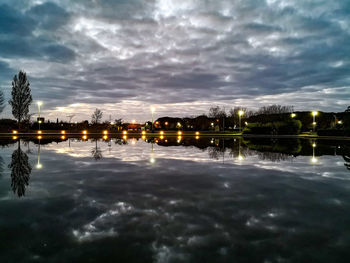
289,127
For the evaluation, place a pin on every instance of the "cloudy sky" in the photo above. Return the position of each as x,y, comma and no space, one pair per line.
181,56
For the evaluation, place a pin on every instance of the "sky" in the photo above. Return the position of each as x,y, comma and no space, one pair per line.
179,56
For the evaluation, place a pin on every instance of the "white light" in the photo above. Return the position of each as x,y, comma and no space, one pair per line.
39,103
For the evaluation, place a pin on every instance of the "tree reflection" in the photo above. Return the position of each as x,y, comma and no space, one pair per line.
96,152
1,166
346,157
20,171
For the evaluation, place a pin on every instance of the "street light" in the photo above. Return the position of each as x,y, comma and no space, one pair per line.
314,114
240,114
153,109
39,104
293,115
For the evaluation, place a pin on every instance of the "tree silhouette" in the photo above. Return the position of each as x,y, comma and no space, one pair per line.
20,171
96,117
21,96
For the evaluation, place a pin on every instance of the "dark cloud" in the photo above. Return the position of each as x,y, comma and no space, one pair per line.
169,52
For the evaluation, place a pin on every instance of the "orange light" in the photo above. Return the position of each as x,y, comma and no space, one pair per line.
39,132
14,137
105,132
197,133
125,132
84,131
84,137
143,132
197,137
63,137
14,132
63,132
105,137
166,123
40,137
143,137
161,132
125,137
179,133
161,137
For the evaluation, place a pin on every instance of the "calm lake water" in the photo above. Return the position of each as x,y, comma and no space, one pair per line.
171,200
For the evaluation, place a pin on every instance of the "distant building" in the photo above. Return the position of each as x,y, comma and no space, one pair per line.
135,127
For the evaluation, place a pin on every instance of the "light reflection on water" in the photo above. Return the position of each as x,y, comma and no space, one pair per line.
165,200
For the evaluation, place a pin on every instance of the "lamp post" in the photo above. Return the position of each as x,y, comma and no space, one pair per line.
153,109
240,114
314,113
39,104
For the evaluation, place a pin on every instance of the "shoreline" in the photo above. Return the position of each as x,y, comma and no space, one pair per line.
167,133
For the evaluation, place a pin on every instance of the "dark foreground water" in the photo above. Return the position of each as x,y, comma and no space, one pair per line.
175,200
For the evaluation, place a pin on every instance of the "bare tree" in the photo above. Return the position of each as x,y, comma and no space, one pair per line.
217,112
96,117
275,109
21,96
118,122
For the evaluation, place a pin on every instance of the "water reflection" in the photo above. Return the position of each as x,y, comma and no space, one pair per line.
1,166
20,171
240,151
199,202
346,156
96,151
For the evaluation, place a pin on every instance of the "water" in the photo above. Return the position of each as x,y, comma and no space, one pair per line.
170,200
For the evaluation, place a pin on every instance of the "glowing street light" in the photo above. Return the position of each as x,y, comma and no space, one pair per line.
84,131
39,103
240,114
105,132
14,132
293,115
314,114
